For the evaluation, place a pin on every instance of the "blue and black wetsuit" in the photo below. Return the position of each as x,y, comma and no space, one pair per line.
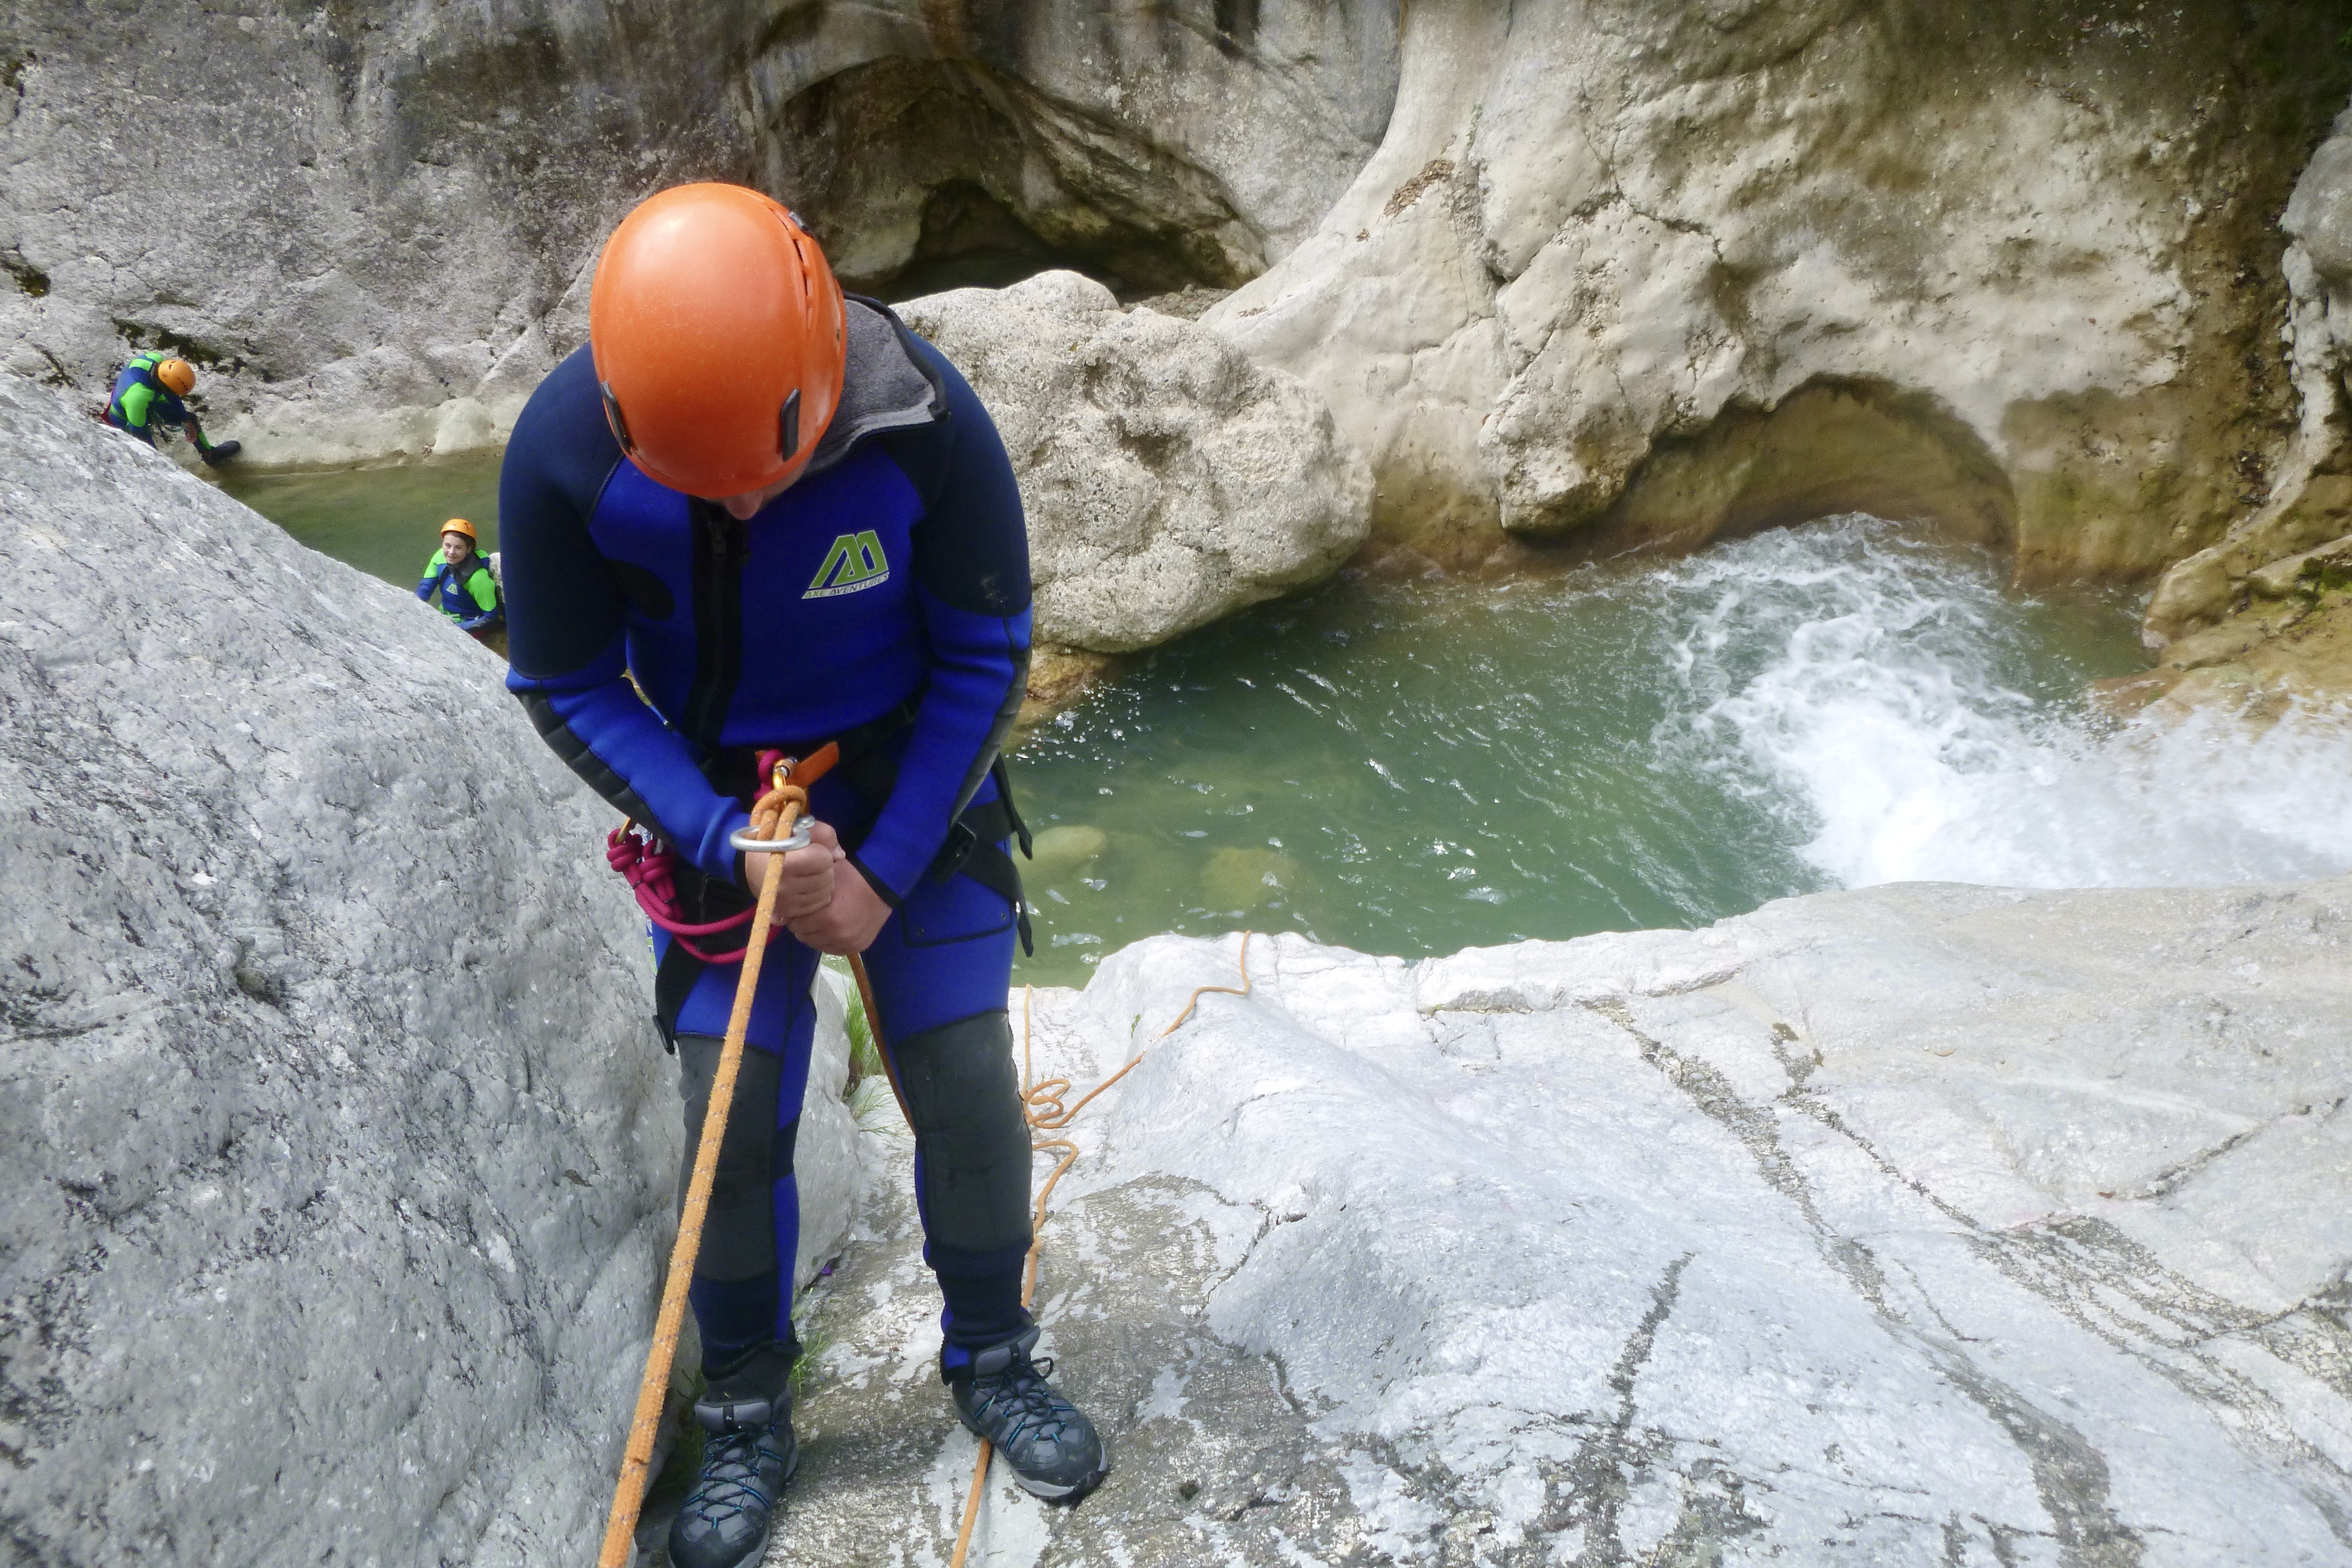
882,600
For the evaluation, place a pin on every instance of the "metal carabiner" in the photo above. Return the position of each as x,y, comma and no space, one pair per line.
743,843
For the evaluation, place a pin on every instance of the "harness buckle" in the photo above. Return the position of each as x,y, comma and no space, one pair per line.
957,849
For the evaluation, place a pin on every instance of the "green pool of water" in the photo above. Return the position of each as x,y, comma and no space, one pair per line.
385,521
1417,768
1414,768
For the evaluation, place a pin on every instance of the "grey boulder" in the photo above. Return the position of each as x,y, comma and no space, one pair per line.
339,1155
1167,479
1923,1224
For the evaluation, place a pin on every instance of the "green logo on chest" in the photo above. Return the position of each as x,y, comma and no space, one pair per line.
854,562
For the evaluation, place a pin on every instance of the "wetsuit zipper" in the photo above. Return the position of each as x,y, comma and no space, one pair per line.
720,545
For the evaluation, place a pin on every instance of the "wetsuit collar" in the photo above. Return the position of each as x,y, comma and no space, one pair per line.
885,385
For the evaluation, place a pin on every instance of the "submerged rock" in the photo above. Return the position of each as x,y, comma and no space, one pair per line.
1066,848
340,1154
1919,1225
1238,878
1167,479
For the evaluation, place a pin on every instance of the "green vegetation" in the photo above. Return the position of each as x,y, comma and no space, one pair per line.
29,277
196,350
865,1060
872,1105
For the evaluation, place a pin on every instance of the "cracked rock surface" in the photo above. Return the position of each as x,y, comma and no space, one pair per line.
1925,1224
339,1155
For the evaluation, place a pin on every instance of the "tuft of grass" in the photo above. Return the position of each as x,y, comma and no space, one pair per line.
812,1345
875,1108
865,1058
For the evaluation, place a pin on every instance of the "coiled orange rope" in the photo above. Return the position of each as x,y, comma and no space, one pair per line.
1040,1104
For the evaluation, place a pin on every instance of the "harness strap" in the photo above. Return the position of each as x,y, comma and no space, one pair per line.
974,847
674,980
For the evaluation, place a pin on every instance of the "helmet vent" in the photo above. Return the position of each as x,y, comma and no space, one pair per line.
788,426
613,416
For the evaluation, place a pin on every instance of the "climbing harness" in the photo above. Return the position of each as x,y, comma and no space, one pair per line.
773,820
665,886
1041,1105
651,867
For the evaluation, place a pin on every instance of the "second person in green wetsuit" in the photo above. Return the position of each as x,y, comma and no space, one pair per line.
146,396
457,580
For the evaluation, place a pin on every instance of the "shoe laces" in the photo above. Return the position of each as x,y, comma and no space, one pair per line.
1021,1391
730,1482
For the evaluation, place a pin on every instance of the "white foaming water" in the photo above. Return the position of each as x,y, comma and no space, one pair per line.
1864,687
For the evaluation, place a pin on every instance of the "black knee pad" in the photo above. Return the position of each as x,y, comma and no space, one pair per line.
964,1098
738,1231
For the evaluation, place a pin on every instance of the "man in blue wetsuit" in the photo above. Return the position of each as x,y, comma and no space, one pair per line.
791,520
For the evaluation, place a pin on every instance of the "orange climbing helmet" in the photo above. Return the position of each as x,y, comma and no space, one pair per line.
177,375
716,330
459,525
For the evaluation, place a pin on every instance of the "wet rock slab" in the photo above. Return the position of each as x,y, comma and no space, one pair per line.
1919,1225
1210,1461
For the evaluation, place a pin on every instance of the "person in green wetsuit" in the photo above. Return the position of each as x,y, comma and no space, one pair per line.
147,393
460,579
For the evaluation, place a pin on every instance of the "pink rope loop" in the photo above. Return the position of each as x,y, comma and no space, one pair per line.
651,872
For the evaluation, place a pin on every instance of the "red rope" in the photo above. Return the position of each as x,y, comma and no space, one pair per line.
652,871
651,865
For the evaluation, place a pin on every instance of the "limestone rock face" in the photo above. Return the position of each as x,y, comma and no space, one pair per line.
1630,272
340,1155
1923,1224
370,225
2220,611
1167,479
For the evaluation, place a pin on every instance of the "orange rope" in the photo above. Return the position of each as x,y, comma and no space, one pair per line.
1041,1105
773,816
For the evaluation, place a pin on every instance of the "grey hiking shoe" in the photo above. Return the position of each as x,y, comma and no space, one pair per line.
1004,1397
748,1453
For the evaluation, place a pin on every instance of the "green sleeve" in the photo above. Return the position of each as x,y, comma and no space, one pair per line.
135,405
484,591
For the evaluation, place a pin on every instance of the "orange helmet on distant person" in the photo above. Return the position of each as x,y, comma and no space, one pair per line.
178,375
459,525
718,334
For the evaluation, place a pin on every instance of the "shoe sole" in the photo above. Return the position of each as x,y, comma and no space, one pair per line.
1047,1490
1064,1494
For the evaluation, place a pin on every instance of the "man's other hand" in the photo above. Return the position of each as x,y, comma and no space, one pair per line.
823,900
